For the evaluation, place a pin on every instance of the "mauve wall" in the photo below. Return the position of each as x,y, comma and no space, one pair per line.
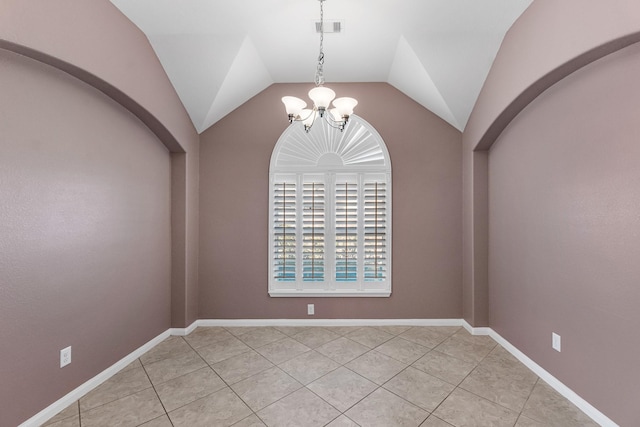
95,42
565,231
234,166
85,234
548,42
97,38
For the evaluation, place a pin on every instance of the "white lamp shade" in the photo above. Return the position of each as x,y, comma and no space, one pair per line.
321,96
336,114
307,116
293,105
345,105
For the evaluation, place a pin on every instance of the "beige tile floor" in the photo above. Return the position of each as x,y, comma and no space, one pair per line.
334,376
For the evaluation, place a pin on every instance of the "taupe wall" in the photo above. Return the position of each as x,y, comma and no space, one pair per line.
427,213
94,42
564,230
545,44
85,234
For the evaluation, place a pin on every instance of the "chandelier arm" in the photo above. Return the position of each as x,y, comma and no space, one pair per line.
339,127
332,122
330,119
302,119
339,124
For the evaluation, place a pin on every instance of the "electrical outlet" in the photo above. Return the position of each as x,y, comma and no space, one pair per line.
556,341
65,356
310,309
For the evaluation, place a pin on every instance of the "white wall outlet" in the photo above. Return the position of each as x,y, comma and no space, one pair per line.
556,341
310,309
65,356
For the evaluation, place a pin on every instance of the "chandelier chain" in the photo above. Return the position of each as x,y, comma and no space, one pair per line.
319,79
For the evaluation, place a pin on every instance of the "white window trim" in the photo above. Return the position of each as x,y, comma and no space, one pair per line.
326,167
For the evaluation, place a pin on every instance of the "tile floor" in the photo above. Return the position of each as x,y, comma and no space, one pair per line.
335,376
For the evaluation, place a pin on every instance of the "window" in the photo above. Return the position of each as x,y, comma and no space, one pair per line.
330,212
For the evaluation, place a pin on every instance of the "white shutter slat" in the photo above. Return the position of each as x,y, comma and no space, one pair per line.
375,233
313,239
284,229
346,231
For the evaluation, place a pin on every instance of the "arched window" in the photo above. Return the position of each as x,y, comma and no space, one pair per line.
330,212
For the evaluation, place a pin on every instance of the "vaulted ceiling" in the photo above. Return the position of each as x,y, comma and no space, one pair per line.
219,54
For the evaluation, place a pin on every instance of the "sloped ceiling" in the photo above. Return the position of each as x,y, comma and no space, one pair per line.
219,54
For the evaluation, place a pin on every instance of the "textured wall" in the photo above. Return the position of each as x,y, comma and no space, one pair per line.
85,226
97,44
97,38
564,232
548,42
426,160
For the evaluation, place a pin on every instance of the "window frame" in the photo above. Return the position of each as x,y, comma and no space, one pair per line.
329,169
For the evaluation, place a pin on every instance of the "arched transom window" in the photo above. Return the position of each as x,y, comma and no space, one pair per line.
330,212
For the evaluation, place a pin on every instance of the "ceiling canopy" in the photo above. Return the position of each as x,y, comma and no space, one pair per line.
220,54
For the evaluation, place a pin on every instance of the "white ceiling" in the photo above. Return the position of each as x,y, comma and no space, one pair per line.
218,54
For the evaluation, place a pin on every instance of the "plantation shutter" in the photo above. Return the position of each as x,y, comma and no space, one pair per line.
330,225
284,230
375,231
346,231
313,219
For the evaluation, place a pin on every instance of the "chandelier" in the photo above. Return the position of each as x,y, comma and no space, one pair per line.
338,116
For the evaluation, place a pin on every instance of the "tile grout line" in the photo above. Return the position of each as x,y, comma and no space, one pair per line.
484,398
285,336
305,386
276,366
411,365
80,411
229,385
157,395
343,365
255,349
382,386
455,388
527,401
223,380
207,395
477,364
395,394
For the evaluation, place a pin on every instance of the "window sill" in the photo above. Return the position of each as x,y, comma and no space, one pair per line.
328,294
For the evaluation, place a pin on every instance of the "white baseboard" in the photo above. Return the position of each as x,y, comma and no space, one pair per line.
47,413
181,332
57,406
475,331
565,391
329,322
557,385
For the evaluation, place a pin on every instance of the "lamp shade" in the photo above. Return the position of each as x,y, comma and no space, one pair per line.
293,105
322,96
345,105
336,114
